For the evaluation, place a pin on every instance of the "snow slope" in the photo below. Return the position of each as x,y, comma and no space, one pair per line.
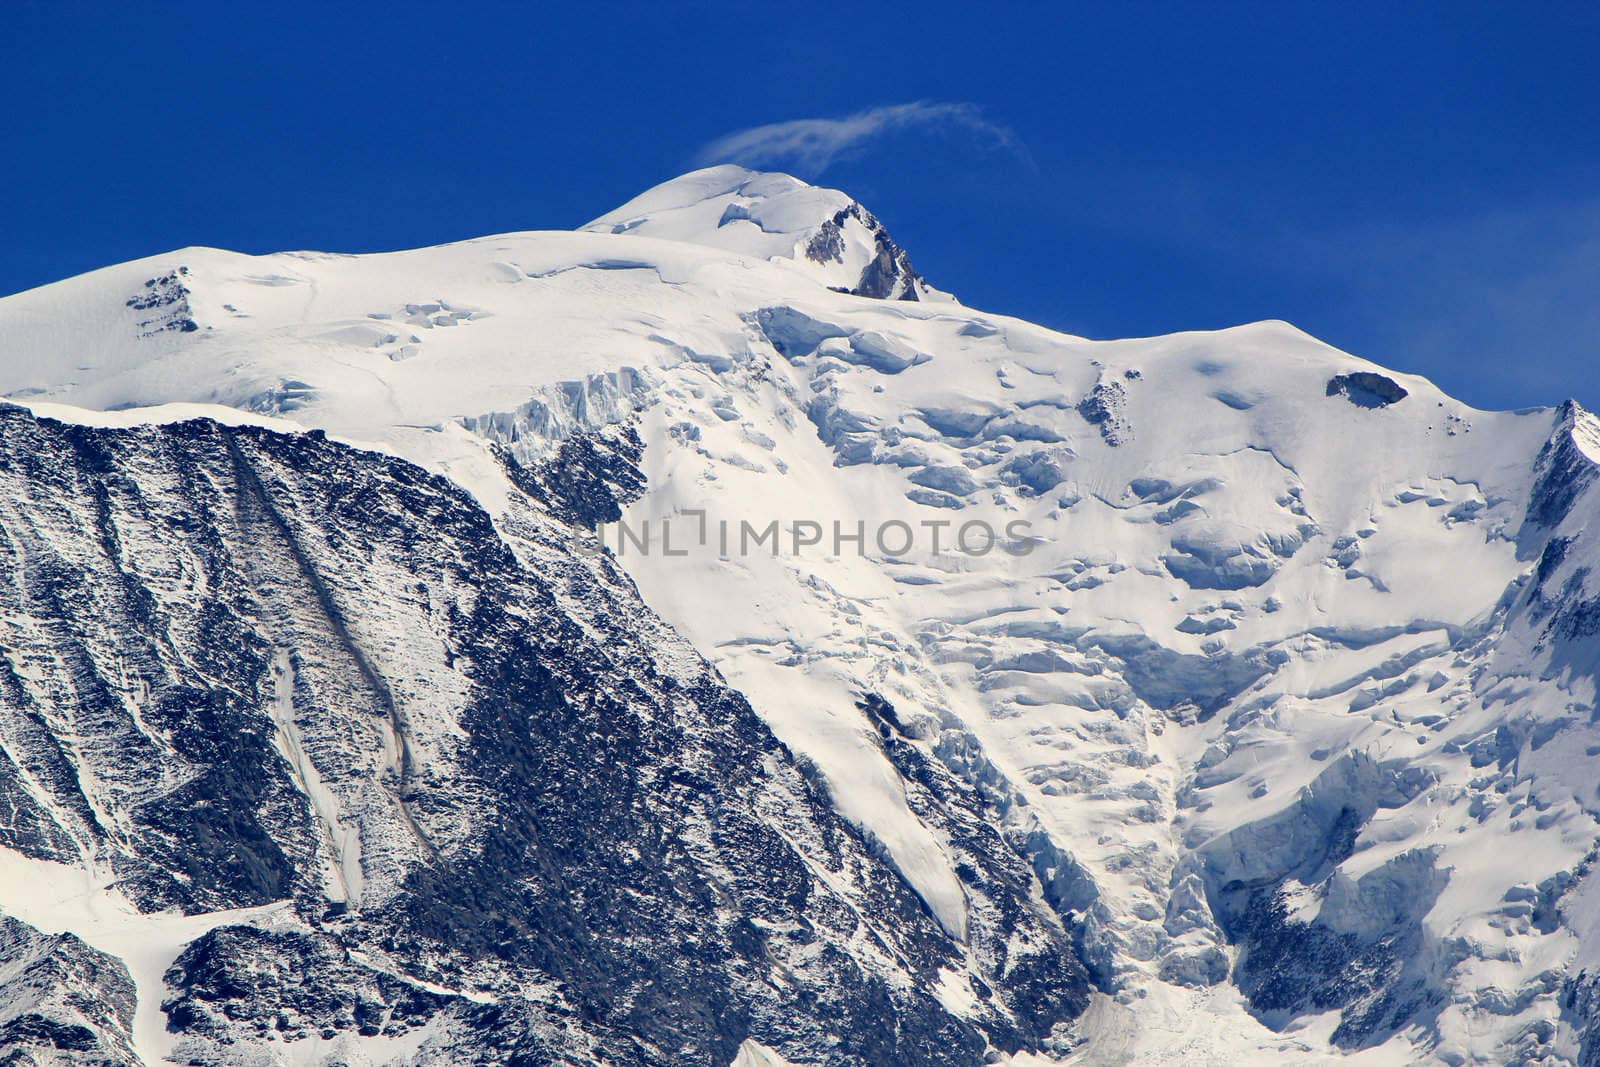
1248,676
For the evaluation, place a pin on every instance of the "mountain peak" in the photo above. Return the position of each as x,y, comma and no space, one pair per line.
775,216
1584,426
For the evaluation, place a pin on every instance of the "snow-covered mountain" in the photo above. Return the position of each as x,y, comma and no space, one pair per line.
1000,693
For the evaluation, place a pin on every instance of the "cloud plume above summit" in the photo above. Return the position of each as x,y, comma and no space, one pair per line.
811,146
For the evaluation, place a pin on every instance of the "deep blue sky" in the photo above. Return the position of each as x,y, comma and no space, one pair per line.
1420,188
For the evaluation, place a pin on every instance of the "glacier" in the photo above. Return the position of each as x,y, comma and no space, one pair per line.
1274,745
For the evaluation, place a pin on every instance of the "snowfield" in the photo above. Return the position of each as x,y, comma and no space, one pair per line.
1283,686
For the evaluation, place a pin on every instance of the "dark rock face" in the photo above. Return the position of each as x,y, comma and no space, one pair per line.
1558,610
1580,1005
166,300
952,788
889,276
1102,408
517,820
588,478
240,982
1297,967
1365,389
62,1002
1562,473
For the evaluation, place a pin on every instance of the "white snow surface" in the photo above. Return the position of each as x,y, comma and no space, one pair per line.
770,213
1201,493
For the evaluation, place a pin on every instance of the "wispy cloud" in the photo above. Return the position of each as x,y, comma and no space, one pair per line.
811,146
